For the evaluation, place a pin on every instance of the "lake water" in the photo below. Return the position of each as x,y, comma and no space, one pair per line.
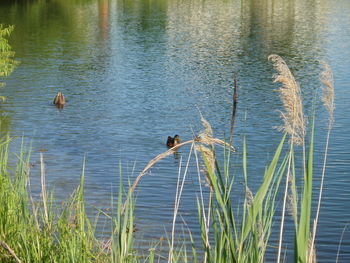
134,72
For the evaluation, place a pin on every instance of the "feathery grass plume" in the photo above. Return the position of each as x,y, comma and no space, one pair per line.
208,131
293,117
209,156
294,123
328,90
206,136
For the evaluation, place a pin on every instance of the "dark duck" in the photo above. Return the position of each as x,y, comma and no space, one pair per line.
171,142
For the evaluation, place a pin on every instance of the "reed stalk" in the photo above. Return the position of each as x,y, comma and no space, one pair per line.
328,100
294,124
43,189
177,202
175,213
13,254
234,108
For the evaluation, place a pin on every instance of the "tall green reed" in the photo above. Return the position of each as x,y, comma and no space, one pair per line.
38,231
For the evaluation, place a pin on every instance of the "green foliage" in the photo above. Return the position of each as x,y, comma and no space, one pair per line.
303,228
7,63
122,237
240,238
38,233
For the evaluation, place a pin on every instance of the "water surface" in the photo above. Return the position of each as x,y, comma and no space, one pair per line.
134,72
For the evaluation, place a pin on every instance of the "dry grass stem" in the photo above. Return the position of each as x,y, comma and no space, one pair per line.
206,226
199,139
293,117
209,156
340,242
328,100
207,127
155,160
284,208
328,90
311,250
177,200
43,188
179,190
13,254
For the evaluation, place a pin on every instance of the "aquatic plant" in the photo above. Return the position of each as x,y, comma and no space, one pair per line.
294,126
328,100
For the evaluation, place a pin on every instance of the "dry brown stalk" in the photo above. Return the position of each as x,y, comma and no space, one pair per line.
155,160
328,100
13,254
328,90
43,188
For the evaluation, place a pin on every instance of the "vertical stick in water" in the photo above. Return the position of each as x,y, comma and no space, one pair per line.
234,107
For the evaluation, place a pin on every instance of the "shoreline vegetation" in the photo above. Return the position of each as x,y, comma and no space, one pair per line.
39,231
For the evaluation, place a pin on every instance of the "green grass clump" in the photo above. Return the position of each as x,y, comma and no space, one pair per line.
36,231
39,231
